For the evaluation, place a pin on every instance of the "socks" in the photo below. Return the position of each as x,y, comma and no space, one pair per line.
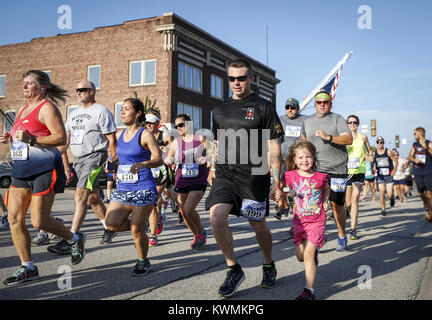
29,265
74,238
272,264
311,290
103,223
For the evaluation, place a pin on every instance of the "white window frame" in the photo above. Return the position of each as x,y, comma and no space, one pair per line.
216,91
117,111
3,95
70,109
194,68
97,85
143,70
197,123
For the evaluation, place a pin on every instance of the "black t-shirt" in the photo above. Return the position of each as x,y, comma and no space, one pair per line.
242,129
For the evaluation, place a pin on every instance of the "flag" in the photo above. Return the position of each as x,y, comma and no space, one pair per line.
331,86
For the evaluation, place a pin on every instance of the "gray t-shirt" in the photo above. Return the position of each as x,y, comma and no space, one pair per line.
332,158
88,127
292,128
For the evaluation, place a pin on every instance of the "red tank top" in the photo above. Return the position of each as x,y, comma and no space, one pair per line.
31,124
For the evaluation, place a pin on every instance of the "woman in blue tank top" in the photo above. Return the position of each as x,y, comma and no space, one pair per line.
136,193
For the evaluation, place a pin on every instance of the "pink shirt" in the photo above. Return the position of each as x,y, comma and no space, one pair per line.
308,194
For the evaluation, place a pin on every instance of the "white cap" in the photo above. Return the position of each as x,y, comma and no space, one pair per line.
151,118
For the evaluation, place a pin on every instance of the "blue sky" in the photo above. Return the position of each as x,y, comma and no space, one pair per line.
388,78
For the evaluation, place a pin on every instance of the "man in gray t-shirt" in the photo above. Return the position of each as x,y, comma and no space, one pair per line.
330,134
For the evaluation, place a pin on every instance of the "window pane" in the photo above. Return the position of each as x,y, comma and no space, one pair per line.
94,75
135,73
197,79
181,70
180,108
150,71
219,92
197,118
2,86
117,112
213,85
189,77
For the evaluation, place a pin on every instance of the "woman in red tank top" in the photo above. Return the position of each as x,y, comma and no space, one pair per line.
37,132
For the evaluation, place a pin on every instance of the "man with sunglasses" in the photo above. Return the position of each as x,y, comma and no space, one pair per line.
292,122
90,133
330,134
240,187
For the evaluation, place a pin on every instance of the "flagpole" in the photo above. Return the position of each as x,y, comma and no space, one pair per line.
311,95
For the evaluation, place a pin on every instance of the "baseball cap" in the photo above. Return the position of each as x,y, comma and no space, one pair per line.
292,102
380,139
151,118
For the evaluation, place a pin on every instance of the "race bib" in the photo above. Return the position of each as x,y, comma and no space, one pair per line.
77,137
292,131
190,170
19,151
155,172
353,163
421,157
253,210
384,171
382,162
124,174
338,184
368,172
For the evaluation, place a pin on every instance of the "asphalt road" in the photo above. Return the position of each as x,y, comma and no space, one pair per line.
391,261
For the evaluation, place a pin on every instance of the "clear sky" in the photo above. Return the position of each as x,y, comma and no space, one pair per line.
388,78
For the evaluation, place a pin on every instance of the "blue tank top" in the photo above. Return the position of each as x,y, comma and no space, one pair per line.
424,168
129,153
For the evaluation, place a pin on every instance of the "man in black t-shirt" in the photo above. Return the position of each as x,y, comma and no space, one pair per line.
243,127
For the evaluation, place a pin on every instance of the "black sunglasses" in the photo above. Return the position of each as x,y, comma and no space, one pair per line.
82,89
180,125
290,108
352,122
241,78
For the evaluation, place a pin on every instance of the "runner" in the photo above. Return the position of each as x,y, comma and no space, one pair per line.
399,177
330,134
421,155
356,171
241,186
90,133
369,178
384,159
311,194
38,172
191,176
136,193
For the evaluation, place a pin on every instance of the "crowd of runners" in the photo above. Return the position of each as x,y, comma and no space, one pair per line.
315,168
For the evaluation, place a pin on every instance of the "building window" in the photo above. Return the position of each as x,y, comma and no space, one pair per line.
189,77
229,91
193,111
93,75
48,72
117,112
70,109
142,72
216,84
7,125
2,86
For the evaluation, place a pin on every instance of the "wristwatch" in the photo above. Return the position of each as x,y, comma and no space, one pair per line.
32,140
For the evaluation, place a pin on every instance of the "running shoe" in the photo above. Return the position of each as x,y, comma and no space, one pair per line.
392,202
174,206
200,240
232,282
278,215
153,240
306,295
286,211
354,235
142,267
107,236
269,276
5,222
62,247
161,223
383,212
78,249
23,274
342,244
180,219
41,239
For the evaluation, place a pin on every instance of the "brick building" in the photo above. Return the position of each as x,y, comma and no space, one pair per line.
165,58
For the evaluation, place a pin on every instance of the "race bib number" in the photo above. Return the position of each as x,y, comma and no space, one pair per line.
292,131
190,170
384,171
77,137
338,184
353,163
19,151
253,210
125,176
382,162
368,172
421,157
155,172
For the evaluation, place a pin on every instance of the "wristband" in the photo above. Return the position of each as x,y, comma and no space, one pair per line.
32,140
331,138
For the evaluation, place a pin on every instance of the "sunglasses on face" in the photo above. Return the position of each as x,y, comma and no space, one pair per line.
82,89
180,125
241,78
326,102
380,142
352,122
290,108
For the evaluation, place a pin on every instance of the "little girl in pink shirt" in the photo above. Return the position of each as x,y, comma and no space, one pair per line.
311,193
